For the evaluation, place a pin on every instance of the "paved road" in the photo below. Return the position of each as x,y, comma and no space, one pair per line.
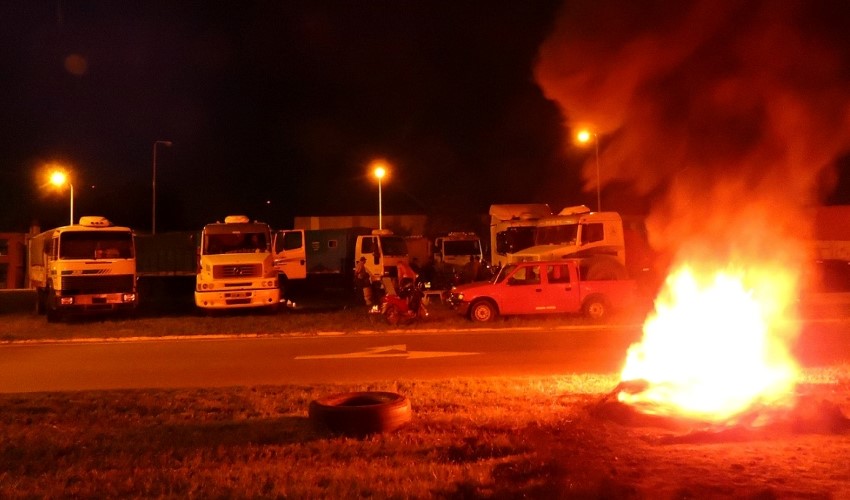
219,362
277,360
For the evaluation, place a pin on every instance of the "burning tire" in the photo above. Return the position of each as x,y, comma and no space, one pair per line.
596,307
361,413
483,311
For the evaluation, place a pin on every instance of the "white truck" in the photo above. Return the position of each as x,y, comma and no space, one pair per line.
236,266
85,267
453,251
512,228
327,256
596,238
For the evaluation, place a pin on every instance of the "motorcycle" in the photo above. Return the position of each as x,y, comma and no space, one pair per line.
400,307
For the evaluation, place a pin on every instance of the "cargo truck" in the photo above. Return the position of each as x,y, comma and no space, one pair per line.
236,266
512,228
83,268
325,258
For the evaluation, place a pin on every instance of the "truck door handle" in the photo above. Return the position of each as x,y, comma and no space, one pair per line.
569,288
538,289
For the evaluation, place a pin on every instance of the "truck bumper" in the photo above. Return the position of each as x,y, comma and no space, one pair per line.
95,302
238,299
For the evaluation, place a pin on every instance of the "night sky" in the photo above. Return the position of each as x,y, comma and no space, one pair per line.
276,108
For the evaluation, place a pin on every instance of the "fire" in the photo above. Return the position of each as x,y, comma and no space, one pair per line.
716,344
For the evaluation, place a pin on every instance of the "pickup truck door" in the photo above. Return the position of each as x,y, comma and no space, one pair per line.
527,291
290,254
563,288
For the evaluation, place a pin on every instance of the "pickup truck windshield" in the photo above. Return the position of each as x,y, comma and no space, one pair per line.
504,272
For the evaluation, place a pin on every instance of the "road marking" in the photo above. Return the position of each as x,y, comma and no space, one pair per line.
391,351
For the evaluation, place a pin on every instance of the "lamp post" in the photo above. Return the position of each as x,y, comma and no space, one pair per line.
58,179
584,137
153,184
379,171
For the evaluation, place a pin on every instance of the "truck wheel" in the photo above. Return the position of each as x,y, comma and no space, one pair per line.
483,311
595,307
361,413
50,309
603,267
39,301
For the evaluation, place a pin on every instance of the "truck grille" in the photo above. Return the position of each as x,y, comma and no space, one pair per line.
105,283
238,271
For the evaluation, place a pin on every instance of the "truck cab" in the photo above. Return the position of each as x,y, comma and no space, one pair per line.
85,267
512,229
383,251
578,233
453,251
236,266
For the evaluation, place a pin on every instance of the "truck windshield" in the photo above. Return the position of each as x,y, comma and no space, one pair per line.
515,239
461,247
564,234
96,245
393,245
219,243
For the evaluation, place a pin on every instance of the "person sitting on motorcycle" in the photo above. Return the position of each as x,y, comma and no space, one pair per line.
406,276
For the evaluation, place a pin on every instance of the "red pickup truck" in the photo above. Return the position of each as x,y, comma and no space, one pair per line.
539,288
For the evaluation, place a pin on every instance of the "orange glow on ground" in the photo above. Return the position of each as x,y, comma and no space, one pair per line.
716,345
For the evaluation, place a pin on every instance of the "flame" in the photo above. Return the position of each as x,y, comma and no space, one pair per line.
716,344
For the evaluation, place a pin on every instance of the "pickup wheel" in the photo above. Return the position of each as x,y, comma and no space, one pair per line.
483,311
596,307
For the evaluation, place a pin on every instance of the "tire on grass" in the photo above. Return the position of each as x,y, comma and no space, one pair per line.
361,413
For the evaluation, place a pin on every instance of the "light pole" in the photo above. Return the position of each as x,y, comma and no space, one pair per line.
58,179
153,184
379,171
584,137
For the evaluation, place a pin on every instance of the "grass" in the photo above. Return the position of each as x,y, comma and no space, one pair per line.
469,438
535,437
20,326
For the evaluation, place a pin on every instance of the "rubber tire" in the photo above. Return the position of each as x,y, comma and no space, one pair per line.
604,268
483,311
361,413
40,308
50,309
596,307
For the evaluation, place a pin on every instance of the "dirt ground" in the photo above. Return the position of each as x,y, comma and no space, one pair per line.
612,452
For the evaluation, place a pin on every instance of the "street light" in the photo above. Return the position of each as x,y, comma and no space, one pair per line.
59,178
379,170
584,137
153,184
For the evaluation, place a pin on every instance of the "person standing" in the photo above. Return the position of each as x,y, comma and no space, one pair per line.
363,280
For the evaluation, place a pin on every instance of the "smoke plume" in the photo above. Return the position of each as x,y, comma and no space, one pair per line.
735,110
